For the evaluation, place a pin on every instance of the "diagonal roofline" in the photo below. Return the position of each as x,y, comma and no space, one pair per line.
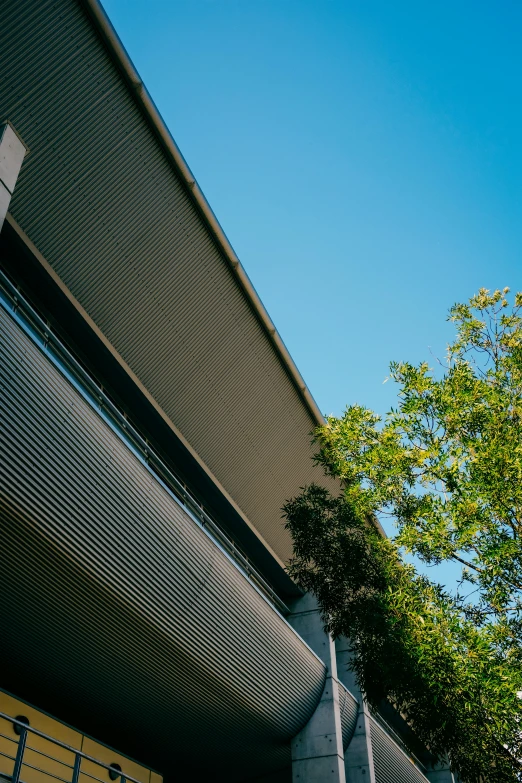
143,98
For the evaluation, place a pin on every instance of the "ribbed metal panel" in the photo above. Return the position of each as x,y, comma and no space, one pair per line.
112,594
391,764
349,710
105,207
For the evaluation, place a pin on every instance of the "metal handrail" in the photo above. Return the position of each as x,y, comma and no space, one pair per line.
79,755
40,753
46,772
99,400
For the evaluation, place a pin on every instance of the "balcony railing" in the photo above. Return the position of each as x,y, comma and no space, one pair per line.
36,757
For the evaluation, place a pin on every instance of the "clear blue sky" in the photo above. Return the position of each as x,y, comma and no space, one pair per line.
364,159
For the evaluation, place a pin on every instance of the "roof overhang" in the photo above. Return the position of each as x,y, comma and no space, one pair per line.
118,223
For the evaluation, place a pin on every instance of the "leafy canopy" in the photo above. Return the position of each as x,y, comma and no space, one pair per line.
446,465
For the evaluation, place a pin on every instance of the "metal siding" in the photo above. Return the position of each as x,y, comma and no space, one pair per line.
349,709
104,206
108,584
391,764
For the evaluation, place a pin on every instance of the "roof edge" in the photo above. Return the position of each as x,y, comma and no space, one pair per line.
142,96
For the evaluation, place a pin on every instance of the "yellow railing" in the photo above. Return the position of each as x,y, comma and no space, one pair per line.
29,755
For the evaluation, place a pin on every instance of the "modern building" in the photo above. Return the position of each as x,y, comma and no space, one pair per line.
152,426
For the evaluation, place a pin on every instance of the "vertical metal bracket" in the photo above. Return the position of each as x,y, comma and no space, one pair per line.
19,755
76,770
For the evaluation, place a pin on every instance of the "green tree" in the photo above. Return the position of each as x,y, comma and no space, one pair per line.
446,465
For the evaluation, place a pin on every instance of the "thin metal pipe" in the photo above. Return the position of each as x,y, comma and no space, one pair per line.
76,770
144,99
44,771
20,752
47,756
92,777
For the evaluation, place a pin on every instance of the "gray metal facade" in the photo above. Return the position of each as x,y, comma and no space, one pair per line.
119,611
116,597
348,708
392,765
102,202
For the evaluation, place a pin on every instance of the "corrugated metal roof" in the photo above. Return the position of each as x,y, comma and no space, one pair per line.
115,604
105,205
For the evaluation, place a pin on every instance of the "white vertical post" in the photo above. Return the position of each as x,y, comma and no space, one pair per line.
317,751
12,153
358,757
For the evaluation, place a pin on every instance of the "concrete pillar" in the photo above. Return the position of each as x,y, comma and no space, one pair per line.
441,773
317,751
12,153
358,756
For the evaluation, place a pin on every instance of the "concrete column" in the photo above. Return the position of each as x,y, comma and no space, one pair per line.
317,751
440,773
358,756
12,153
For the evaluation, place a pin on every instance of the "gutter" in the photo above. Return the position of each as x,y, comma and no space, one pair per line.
143,98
